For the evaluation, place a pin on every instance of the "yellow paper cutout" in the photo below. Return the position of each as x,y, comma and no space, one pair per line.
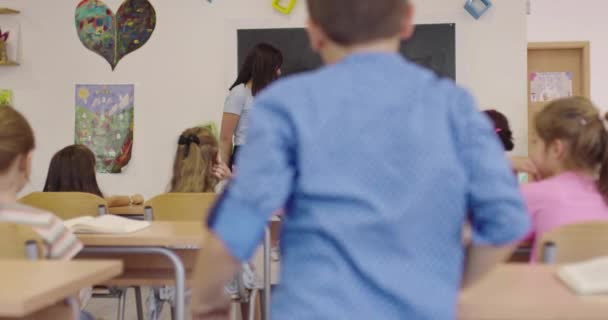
284,9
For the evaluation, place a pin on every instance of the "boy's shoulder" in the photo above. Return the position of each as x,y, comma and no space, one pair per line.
326,79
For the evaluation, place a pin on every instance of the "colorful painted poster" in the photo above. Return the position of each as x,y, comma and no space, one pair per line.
6,97
113,36
104,123
11,32
547,86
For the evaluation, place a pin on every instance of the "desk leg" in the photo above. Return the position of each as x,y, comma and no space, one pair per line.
178,266
267,273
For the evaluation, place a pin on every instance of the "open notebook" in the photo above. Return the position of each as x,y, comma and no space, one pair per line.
105,224
586,278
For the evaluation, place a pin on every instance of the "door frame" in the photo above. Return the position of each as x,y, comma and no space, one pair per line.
586,67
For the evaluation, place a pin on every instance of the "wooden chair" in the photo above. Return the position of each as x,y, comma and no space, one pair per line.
574,243
67,205
179,206
19,241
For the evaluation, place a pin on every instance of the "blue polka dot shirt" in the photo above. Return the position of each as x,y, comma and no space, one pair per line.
378,164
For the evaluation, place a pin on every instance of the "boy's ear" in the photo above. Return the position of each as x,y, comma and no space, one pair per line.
407,22
316,36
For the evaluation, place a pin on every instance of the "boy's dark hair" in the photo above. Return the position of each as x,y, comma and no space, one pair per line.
350,22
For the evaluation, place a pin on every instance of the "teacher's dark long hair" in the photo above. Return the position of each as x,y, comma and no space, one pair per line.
260,66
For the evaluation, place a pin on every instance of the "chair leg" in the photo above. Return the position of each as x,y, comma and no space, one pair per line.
253,301
234,311
172,312
122,301
139,304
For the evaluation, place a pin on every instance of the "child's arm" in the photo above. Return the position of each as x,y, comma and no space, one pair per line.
498,216
229,124
215,267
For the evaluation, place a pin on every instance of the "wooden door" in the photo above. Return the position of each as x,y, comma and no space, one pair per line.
572,57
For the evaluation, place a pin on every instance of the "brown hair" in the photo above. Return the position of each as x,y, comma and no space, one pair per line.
350,22
72,169
16,136
578,123
196,154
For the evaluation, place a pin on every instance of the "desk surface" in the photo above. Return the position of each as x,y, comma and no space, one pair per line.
159,234
29,286
520,291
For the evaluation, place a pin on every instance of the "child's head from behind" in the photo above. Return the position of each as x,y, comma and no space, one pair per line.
502,128
351,23
570,136
197,153
72,169
16,146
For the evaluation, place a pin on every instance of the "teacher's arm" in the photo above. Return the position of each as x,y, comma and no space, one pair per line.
229,124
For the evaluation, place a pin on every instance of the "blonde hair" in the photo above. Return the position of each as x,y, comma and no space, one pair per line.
578,123
196,154
16,136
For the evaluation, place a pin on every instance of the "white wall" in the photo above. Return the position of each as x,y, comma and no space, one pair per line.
575,20
182,74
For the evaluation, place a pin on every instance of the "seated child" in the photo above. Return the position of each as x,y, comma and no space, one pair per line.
16,146
502,128
197,168
72,169
569,150
524,168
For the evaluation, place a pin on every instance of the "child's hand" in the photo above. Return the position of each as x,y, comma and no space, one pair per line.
221,171
521,164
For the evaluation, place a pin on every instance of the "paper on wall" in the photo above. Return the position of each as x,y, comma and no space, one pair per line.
6,97
104,123
547,86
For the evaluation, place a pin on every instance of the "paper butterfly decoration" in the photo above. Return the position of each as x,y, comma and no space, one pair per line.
113,36
284,9
4,36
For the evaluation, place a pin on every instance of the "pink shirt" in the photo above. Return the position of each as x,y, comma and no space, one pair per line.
565,199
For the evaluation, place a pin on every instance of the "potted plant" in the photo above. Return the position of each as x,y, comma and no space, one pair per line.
3,40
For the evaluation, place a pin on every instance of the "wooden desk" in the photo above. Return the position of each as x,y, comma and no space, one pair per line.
128,211
162,254
173,234
31,286
515,291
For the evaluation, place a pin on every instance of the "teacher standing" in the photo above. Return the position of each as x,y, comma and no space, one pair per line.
261,67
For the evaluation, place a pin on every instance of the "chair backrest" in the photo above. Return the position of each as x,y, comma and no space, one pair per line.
574,243
19,241
67,205
180,206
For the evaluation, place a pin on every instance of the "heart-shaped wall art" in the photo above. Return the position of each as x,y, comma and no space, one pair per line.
115,36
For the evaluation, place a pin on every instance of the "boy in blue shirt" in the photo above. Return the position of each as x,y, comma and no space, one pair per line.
379,165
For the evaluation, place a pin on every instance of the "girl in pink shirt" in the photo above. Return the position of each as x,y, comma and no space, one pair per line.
570,151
